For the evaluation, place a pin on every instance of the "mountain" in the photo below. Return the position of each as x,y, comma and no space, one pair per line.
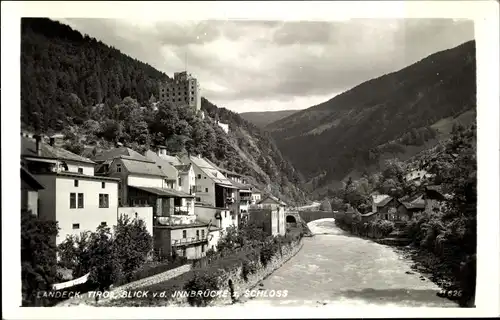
97,96
398,114
263,118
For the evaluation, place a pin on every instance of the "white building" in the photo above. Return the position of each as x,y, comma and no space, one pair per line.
182,90
213,190
72,195
146,183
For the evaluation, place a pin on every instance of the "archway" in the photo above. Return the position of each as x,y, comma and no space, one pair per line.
290,219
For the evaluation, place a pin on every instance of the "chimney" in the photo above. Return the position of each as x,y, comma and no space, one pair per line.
199,155
38,140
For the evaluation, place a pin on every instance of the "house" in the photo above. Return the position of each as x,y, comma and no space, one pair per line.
256,196
417,176
387,207
72,195
435,198
215,194
412,205
145,183
243,194
29,192
270,212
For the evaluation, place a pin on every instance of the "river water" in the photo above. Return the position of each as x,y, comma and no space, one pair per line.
334,268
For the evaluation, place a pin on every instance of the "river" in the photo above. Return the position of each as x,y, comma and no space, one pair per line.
334,268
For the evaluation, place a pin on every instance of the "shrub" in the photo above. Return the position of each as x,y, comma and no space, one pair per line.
385,227
38,258
131,245
201,282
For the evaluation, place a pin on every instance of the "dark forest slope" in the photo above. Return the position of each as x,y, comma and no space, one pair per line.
387,114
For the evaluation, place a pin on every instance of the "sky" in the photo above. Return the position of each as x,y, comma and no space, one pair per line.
251,65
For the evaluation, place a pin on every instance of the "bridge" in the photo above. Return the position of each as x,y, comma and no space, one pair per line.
306,216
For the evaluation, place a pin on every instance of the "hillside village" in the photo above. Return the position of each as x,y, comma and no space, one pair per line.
187,203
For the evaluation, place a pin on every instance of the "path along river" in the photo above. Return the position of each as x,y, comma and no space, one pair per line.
334,268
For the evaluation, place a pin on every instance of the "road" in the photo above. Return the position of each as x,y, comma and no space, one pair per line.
339,269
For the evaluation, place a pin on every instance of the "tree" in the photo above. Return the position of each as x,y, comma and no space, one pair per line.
132,244
105,268
325,206
38,257
75,255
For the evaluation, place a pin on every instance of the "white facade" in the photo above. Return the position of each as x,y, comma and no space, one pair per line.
78,203
183,90
256,197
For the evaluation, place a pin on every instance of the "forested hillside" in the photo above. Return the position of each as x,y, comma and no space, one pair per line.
98,96
264,118
389,114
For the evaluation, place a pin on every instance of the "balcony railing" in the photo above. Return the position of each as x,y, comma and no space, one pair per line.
176,220
188,241
181,212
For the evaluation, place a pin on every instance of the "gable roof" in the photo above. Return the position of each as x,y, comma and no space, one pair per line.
276,200
210,171
381,200
28,149
142,167
30,179
162,163
173,160
120,152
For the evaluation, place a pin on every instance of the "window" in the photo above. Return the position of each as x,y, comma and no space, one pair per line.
202,248
72,200
76,226
180,182
80,170
184,235
104,223
103,200
198,199
118,167
103,185
80,200
203,234
204,177
76,183
206,189
225,214
198,188
197,234
199,176
119,201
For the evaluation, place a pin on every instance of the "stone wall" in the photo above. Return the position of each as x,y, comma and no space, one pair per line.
239,284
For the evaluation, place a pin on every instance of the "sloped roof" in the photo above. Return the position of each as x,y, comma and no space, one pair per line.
30,179
165,192
141,167
270,196
381,200
173,160
28,149
152,156
211,171
120,152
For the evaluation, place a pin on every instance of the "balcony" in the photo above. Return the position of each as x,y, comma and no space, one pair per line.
176,220
188,241
245,198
